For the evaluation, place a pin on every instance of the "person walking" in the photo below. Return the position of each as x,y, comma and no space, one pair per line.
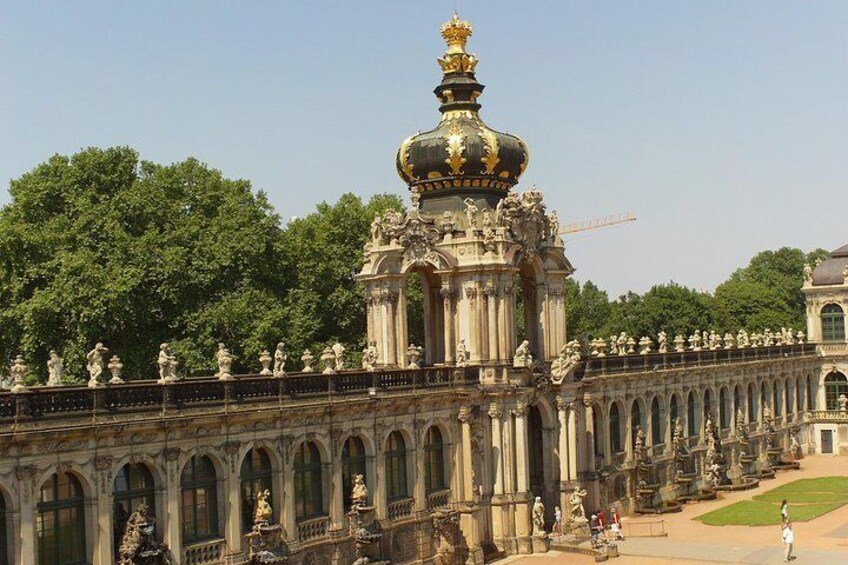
557,520
784,513
788,541
615,524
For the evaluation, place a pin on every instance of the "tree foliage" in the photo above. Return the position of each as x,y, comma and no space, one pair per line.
102,246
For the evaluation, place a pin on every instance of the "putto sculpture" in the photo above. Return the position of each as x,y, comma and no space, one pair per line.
461,354
523,357
662,342
338,354
167,364
280,358
55,369
359,492
370,356
95,365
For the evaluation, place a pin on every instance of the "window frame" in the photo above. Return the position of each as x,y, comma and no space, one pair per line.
54,508
192,486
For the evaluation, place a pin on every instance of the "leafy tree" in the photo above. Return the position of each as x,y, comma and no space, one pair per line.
101,246
588,309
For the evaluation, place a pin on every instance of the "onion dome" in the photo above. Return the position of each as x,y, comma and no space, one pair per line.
462,154
832,271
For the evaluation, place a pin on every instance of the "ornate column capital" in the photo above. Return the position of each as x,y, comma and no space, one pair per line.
465,414
495,411
563,404
470,292
520,409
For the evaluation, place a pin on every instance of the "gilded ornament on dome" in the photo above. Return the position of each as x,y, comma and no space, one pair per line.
455,147
404,157
490,143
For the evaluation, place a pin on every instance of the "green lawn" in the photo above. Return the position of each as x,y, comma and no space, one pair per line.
807,498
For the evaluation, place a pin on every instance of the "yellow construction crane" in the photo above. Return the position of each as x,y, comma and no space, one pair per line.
598,223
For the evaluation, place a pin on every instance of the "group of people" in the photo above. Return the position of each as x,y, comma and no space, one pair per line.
599,524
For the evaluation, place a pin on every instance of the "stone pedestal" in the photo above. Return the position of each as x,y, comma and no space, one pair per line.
541,543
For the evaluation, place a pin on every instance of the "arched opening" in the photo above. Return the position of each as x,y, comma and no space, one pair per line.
673,411
535,451
723,416
199,489
434,460
308,487
765,396
833,323
597,438
835,384
790,395
800,396
353,464
396,487
737,400
708,405
752,403
636,417
812,399
656,423
619,488
425,314
132,487
527,311
691,422
60,517
615,428
778,400
256,473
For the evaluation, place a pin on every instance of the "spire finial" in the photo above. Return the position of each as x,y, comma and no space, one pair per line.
456,33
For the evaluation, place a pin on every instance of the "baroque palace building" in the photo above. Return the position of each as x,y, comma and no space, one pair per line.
465,443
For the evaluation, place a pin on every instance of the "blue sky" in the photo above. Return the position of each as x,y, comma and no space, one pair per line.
721,125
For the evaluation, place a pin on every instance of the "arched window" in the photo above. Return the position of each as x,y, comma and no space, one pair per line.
656,423
765,396
308,488
692,425
778,400
353,463
255,478
834,384
133,486
737,402
434,460
833,323
615,428
752,403
799,396
4,544
635,419
723,420
396,467
199,487
61,522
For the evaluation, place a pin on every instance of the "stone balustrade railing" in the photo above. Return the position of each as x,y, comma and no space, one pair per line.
148,396
438,499
313,528
401,508
612,364
827,416
836,348
205,553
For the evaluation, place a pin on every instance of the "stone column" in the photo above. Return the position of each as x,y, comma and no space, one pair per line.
590,434
467,454
232,486
103,540
401,330
499,531
337,501
450,340
523,496
25,549
419,487
288,512
173,496
572,442
492,300
389,327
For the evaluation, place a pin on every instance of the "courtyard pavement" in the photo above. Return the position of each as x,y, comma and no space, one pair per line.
822,541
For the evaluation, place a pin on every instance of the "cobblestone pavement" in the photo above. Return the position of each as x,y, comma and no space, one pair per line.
823,541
